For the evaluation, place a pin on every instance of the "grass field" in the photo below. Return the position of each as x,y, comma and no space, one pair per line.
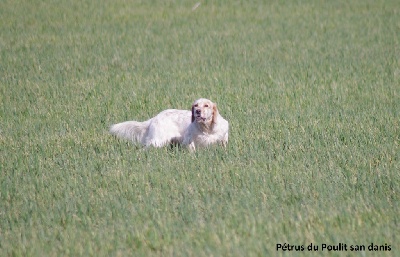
311,90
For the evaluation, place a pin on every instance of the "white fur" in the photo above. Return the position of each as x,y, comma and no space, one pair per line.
207,127
200,127
165,128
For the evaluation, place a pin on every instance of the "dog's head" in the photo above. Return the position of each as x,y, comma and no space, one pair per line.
204,112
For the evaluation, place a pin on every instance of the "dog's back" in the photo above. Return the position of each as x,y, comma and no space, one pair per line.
167,127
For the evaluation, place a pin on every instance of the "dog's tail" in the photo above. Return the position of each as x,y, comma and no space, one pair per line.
131,130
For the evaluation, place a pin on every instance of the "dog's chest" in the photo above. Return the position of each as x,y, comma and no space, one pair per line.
205,139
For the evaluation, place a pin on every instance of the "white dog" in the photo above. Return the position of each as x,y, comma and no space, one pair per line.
200,127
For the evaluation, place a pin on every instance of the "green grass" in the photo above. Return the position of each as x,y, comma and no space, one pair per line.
311,90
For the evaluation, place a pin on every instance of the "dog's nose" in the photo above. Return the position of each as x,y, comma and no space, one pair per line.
198,111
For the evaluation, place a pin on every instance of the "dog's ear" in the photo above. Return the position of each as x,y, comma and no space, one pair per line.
193,113
215,113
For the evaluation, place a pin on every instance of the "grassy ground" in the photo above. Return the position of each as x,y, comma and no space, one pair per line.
311,91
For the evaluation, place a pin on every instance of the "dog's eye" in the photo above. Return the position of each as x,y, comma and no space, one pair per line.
196,105
206,105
